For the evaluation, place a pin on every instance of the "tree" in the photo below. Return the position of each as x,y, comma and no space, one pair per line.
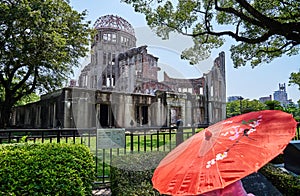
295,79
263,29
233,108
28,99
273,105
294,110
237,107
41,40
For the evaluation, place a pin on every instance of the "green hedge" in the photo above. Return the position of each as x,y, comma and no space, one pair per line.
131,174
46,169
286,183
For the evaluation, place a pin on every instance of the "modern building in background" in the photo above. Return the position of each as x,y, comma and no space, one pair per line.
120,88
281,95
264,99
234,98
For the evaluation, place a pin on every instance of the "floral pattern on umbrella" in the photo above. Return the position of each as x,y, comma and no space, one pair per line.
235,133
224,153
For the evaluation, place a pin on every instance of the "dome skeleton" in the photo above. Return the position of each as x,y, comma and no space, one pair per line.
114,22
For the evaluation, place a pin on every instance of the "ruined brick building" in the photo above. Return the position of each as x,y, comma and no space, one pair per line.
120,88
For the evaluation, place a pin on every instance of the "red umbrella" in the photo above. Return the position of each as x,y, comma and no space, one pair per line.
224,153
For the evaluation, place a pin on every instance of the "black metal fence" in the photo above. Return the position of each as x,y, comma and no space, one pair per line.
141,139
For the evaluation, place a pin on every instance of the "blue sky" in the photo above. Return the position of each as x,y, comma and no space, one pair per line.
245,81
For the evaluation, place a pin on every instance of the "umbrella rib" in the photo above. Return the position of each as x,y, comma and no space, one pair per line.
239,159
219,173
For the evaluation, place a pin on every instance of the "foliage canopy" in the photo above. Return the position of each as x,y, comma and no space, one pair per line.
40,43
237,107
263,29
295,79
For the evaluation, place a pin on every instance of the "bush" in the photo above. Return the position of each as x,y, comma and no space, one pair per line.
46,169
286,183
131,174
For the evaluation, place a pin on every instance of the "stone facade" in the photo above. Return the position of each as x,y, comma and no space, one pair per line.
74,107
120,88
137,70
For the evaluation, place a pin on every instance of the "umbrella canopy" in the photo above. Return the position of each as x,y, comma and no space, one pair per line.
224,153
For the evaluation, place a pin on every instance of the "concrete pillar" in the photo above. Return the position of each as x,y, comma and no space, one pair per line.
119,104
127,111
188,113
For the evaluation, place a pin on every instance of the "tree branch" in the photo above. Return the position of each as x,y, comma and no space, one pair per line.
290,30
260,39
264,20
278,49
32,88
238,14
25,78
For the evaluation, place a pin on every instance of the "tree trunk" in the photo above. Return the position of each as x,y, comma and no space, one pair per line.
5,115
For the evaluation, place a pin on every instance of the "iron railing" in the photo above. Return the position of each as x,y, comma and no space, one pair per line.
140,139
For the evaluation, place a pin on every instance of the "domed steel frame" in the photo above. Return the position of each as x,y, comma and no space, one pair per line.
114,22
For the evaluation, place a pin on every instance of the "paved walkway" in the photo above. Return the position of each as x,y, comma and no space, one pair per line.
102,192
255,183
258,185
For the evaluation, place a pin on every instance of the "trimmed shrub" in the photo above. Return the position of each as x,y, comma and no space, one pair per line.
286,183
46,169
131,174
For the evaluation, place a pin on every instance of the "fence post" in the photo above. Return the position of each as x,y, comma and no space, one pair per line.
298,131
74,135
157,139
58,135
193,130
131,142
9,137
